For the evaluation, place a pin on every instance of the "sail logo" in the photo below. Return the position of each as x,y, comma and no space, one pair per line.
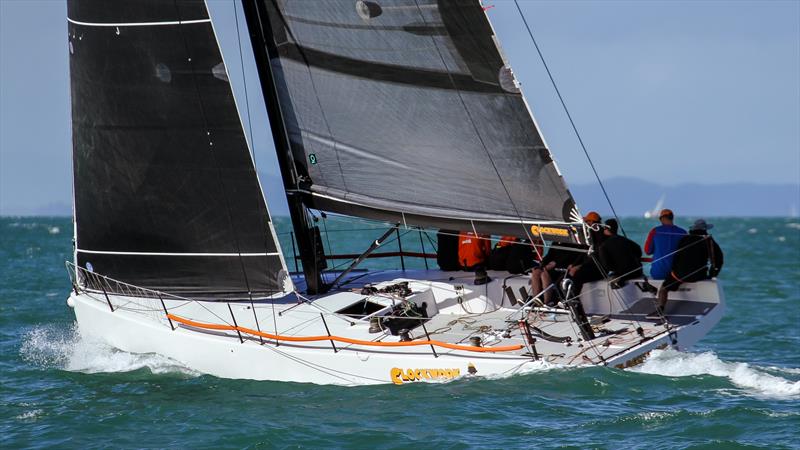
552,231
400,376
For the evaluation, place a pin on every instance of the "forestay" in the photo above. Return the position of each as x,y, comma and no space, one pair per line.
406,111
166,195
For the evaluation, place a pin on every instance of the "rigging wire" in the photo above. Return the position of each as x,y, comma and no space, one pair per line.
569,116
244,82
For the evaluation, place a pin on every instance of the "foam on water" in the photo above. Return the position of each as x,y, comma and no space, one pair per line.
30,415
526,369
753,380
792,370
67,349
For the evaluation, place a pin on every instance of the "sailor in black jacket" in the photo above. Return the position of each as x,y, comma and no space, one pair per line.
619,256
698,258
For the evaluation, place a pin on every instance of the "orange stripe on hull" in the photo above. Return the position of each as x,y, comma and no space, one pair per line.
276,337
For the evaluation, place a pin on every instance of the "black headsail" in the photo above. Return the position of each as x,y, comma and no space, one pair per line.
166,195
406,111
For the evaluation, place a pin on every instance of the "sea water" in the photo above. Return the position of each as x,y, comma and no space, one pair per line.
739,387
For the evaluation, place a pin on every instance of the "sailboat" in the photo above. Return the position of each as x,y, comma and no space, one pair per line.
399,112
656,209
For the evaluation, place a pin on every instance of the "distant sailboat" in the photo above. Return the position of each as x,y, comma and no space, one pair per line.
656,209
403,114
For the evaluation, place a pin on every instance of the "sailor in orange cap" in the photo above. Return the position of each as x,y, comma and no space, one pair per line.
592,217
586,269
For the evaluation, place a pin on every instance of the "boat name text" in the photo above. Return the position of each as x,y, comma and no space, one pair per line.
399,376
536,229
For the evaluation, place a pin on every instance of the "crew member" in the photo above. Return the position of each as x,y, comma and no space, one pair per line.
566,258
586,269
473,250
447,250
513,255
501,251
698,257
619,256
552,268
661,243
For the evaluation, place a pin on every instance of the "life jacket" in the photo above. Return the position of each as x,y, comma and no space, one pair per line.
473,250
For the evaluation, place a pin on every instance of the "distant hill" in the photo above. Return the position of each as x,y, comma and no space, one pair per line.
633,196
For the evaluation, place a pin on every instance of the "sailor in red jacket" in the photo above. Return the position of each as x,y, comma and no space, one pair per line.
473,250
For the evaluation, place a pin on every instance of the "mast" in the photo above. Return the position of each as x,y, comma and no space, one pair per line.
260,31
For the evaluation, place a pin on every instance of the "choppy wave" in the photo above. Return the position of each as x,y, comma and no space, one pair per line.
526,369
792,370
752,379
67,349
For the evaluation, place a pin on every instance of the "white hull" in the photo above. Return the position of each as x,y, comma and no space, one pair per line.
140,325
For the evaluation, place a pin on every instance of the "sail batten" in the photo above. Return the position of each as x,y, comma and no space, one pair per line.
137,24
166,193
397,109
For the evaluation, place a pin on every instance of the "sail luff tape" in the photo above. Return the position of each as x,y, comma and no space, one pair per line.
212,326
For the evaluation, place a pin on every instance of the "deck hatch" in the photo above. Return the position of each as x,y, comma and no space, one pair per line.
361,309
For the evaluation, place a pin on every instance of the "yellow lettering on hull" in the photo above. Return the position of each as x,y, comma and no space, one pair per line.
400,376
552,231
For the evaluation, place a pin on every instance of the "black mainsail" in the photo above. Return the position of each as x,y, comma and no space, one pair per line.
166,195
406,111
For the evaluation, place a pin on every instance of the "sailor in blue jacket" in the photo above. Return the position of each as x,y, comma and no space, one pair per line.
661,242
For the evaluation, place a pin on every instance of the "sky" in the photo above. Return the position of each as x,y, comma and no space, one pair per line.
671,92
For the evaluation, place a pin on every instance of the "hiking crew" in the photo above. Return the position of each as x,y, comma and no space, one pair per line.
586,270
619,256
661,242
698,258
563,258
553,267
